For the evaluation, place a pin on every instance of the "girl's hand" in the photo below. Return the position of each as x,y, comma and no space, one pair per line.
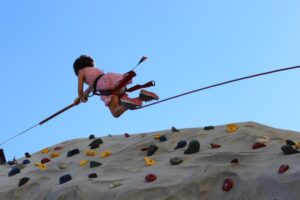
76,101
83,98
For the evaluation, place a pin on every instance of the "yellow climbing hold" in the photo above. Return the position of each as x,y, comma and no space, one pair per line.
156,136
90,153
45,151
232,128
54,155
83,162
149,161
105,154
41,166
298,145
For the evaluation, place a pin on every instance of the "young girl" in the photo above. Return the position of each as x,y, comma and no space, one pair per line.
118,102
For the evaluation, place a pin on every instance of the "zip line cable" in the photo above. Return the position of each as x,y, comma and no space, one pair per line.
160,101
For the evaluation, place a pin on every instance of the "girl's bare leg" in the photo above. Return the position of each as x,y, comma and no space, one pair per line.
115,107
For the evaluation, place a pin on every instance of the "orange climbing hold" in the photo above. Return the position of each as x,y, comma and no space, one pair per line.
83,162
90,153
54,155
105,154
232,128
45,151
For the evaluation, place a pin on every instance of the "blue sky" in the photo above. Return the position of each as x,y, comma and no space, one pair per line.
190,44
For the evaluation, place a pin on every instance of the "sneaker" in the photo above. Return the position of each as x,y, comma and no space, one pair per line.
148,96
131,103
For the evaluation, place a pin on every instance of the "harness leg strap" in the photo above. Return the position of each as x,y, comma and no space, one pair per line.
127,77
136,87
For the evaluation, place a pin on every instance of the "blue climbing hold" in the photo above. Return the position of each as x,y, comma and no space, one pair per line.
73,152
25,162
65,178
14,171
163,138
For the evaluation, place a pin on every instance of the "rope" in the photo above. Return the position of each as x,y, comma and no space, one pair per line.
219,84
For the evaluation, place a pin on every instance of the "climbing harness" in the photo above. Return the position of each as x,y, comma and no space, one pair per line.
121,88
157,102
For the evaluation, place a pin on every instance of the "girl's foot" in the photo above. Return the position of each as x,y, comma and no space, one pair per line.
148,96
130,103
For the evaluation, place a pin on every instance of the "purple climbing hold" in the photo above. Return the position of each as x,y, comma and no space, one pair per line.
23,181
57,148
73,152
152,149
65,178
14,171
126,135
235,161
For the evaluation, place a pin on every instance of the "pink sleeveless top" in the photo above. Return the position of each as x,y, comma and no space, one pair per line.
108,81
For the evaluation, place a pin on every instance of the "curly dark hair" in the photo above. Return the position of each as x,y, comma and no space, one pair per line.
82,62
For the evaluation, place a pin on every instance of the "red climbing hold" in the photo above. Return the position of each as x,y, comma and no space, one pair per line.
215,146
228,184
258,145
150,177
283,168
45,160
58,148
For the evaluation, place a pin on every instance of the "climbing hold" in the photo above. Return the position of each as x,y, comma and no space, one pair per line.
90,153
105,154
181,144
235,161
45,160
176,160
227,184
25,162
57,148
83,162
156,136
288,149
207,128
14,171
297,146
95,164
91,137
45,151
98,142
73,152
232,128
126,135
263,139
215,146
114,185
65,178
152,149
283,168
95,146
194,147
109,135
145,149
93,175
27,155
23,181
163,138
150,177
149,161
258,145
41,166
290,142
62,165
10,162
173,129
54,155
